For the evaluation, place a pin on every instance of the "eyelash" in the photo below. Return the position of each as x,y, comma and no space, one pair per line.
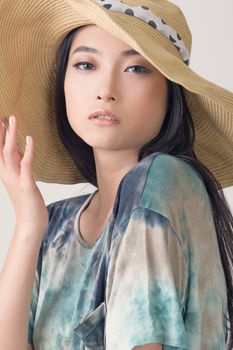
77,65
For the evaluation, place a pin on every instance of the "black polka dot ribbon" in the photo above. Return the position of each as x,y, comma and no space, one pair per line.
144,13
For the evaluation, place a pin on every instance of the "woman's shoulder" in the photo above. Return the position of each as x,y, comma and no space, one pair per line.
172,177
163,183
174,188
163,175
163,172
173,173
66,205
62,214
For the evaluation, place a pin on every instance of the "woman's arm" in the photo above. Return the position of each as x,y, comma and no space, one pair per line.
17,275
16,283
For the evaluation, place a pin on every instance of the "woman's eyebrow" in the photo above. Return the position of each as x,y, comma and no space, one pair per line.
130,52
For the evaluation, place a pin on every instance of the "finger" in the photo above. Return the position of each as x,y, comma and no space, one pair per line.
2,135
2,139
27,161
10,151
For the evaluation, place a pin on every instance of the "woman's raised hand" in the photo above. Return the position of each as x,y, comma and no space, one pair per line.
17,177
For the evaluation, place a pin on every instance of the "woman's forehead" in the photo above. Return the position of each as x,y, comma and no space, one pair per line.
97,36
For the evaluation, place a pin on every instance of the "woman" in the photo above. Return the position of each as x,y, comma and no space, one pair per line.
143,262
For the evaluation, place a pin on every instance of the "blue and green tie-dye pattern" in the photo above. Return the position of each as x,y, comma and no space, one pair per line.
165,283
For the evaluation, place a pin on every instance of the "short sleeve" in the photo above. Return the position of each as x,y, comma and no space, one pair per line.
146,285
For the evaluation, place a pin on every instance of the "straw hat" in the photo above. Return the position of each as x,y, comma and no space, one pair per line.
30,34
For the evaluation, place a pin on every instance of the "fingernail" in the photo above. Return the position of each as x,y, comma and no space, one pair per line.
11,121
27,140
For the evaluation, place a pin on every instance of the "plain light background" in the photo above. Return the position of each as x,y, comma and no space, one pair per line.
210,22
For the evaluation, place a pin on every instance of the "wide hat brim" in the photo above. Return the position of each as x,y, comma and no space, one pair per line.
30,35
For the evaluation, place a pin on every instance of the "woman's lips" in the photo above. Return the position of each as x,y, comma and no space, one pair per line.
104,115
102,121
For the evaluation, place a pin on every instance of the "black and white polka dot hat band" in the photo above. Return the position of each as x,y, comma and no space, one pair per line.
144,13
30,34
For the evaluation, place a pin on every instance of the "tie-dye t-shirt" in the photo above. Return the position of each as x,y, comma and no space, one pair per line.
165,283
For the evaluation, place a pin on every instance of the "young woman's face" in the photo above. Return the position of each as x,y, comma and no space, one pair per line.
125,84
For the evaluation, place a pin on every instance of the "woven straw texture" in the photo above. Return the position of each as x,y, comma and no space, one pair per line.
30,34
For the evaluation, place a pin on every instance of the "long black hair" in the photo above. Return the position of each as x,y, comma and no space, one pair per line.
176,137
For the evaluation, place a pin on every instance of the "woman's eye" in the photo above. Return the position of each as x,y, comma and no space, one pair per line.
83,64
139,69
88,66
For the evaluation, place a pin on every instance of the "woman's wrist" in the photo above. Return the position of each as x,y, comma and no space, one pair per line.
28,234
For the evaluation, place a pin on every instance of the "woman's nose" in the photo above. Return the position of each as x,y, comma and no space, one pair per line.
106,97
108,86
